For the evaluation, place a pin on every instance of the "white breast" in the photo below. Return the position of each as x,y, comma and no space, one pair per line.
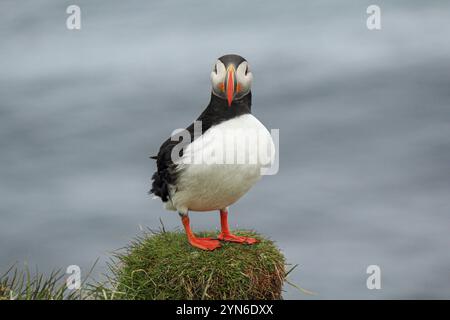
220,166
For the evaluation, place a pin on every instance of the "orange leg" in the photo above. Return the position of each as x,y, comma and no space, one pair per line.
201,243
226,235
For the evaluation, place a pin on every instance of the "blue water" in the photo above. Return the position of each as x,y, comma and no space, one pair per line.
364,132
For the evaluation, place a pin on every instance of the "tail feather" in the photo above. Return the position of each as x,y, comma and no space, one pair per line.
160,187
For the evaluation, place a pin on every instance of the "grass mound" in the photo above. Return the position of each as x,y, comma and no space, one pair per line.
164,266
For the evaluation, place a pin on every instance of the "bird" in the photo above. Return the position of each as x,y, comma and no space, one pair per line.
195,177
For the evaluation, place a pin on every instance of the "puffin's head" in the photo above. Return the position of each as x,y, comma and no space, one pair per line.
231,78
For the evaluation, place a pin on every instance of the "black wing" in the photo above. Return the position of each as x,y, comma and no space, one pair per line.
167,173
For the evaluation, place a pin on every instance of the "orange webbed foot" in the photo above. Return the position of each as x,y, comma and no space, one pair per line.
208,244
238,239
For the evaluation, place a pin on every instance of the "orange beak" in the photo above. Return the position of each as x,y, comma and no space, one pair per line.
230,85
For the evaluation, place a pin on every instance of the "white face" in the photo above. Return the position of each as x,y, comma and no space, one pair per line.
229,82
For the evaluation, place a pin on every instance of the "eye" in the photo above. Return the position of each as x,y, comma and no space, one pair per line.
246,70
215,68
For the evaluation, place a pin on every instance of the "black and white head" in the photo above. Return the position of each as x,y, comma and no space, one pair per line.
231,78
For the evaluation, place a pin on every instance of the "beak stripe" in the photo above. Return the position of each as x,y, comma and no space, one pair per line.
230,85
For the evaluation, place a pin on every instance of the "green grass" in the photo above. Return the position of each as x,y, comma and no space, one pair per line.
164,266
18,284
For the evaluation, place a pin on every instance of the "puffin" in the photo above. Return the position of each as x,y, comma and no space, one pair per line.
212,163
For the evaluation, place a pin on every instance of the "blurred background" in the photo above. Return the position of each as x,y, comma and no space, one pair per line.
364,132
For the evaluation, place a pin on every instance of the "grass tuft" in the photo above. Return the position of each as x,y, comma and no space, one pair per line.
18,284
162,265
